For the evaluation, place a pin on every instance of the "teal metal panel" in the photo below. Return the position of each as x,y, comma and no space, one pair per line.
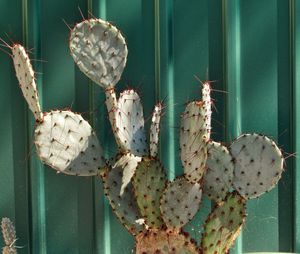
250,49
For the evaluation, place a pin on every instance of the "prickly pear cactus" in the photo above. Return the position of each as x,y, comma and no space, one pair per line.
151,208
258,164
9,236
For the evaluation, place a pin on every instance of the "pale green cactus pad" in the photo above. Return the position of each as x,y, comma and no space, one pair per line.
258,165
8,231
164,242
218,178
26,78
99,50
193,140
149,183
130,124
67,143
180,202
154,129
124,206
223,225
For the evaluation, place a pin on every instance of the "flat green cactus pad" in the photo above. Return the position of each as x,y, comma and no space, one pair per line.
149,182
130,124
223,225
193,141
99,50
164,242
67,143
219,174
180,202
124,206
258,165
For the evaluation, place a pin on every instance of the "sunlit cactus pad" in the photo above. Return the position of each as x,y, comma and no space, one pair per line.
67,143
180,202
219,174
99,50
223,225
164,242
193,139
130,124
258,164
26,78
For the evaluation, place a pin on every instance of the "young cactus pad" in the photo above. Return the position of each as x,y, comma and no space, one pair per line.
124,206
25,75
164,242
219,174
99,50
154,129
223,225
193,140
67,143
180,202
149,183
130,124
258,164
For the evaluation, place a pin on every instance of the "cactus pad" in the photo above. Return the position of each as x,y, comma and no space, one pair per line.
207,107
25,75
67,143
219,175
258,164
99,50
130,124
193,141
8,231
124,206
154,129
180,202
164,242
149,183
223,225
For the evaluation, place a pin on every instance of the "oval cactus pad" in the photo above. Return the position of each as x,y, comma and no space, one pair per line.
99,50
130,124
258,165
193,140
223,225
26,78
180,202
67,143
164,242
219,174
149,183
124,205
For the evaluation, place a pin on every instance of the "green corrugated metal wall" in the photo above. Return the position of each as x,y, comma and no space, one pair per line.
252,50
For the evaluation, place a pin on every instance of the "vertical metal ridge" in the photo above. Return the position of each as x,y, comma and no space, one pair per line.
295,63
231,67
36,182
164,73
